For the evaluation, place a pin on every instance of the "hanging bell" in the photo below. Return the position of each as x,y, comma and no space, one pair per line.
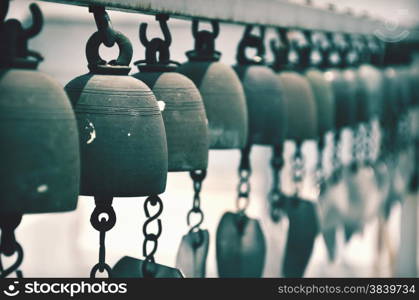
267,116
122,135
311,60
39,149
179,100
40,164
297,93
221,91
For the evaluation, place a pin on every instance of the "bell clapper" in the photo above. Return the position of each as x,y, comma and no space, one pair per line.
103,219
9,245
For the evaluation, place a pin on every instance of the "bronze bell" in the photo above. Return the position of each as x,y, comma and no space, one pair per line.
39,150
296,90
180,102
221,91
122,136
267,116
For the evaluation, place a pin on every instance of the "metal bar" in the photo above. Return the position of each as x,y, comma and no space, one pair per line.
276,13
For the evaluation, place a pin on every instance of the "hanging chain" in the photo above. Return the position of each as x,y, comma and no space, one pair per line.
336,161
151,238
276,199
298,171
9,245
103,219
243,188
319,172
198,177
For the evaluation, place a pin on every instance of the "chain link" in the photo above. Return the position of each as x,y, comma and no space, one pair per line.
198,177
336,161
151,238
103,219
9,245
243,188
298,171
276,199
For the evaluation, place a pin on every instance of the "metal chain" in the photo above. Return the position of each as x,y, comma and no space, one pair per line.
151,238
9,245
103,219
243,188
298,171
198,177
319,172
336,160
276,199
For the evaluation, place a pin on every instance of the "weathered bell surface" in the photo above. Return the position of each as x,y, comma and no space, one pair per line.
267,117
39,149
122,136
263,91
224,102
221,91
184,119
325,102
300,105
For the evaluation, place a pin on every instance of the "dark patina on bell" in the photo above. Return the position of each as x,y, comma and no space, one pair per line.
122,136
180,104
267,116
221,91
39,150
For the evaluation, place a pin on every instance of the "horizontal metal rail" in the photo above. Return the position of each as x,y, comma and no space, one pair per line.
276,13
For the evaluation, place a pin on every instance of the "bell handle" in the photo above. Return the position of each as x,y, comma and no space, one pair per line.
94,59
250,40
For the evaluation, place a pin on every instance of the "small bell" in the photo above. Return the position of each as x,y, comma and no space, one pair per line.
267,116
39,151
180,102
221,91
122,135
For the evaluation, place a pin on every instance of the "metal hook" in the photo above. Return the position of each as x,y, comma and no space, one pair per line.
37,22
250,40
4,8
204,49
156,45
215,28
104,25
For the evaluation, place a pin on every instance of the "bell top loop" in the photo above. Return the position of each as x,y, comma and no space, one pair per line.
14,38
250,40
97,65
4,8
204,43
156,45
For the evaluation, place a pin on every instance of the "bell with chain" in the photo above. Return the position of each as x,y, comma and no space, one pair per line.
302,126
39,152
186,130
241,248
220,88
122,136
313,63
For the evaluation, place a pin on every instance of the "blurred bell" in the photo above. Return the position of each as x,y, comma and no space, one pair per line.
180,102
220,89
